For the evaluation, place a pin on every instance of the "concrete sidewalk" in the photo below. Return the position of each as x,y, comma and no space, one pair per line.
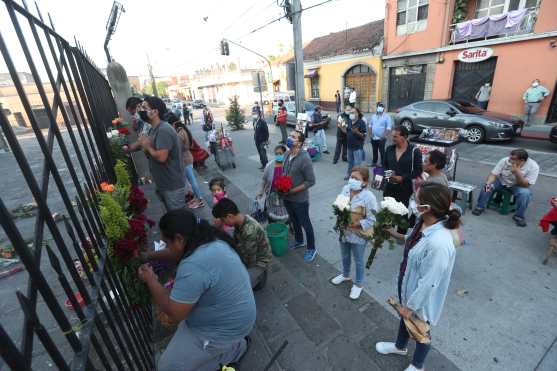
325,330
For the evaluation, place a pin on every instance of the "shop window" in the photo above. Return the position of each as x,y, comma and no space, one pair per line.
314,87
411,16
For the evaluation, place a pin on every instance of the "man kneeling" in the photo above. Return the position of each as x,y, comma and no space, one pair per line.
251,241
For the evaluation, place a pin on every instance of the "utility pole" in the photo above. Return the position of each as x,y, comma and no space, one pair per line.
298,54
153,82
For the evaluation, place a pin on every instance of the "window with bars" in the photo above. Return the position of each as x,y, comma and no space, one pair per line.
491,7
411,16
314,81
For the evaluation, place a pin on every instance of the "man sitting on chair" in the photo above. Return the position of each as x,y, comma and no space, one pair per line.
516,174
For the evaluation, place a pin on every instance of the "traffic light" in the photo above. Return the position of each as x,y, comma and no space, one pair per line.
224,50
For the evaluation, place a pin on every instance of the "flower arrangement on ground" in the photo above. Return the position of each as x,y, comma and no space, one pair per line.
391,215
341,209
122,213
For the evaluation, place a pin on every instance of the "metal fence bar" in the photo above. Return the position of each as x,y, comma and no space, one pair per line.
126,342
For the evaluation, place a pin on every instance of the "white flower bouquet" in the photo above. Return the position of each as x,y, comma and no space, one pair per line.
341,209
391,215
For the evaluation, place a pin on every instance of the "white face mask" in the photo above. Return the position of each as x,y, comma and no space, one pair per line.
535,84
354,184
380,109
352,116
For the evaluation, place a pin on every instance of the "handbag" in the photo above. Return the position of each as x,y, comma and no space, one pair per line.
358,214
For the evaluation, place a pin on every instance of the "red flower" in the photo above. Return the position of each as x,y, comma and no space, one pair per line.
138,230
126,249
283,183
137,201
124,131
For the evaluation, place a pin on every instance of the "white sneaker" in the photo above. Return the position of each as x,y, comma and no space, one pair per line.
390,348
340,279
355,292
413,368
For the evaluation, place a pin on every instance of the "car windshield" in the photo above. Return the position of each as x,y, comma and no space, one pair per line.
467,107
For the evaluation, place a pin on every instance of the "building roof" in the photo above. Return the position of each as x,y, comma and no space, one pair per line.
351,41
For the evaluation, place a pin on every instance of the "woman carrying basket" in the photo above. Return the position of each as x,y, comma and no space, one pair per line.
273,204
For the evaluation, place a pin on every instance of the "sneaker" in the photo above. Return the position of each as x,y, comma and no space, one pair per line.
309,255
413,368
340,279
519,221
390,348
477,211
326,152
355,292
296,245
335,162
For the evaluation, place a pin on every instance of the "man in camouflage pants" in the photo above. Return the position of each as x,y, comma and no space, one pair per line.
251,241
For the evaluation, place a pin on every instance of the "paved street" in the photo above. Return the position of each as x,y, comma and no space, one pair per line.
504,319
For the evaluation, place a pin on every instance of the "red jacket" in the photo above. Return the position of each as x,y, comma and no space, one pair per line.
549,218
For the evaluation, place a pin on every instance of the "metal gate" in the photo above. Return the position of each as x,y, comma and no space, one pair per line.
469,77
406,85
38,330
362,78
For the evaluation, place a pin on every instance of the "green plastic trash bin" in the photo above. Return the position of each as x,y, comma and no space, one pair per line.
278,237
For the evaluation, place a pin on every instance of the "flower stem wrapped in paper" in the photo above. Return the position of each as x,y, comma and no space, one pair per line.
392,214
417,328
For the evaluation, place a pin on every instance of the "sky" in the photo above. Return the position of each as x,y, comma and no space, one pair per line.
176,37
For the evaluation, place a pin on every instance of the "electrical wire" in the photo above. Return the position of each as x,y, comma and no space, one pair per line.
282,17
250,8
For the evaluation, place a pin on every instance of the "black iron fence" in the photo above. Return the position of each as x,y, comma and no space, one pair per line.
86,320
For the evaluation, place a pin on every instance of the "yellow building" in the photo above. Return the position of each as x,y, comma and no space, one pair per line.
345,59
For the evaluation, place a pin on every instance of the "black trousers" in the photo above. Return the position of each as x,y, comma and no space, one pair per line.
340,147
378,147
262,153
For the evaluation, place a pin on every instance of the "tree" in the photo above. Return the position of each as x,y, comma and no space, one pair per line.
162,89
235,115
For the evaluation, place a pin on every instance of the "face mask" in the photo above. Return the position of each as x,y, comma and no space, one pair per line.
280,104
352,116
347,112
143,116
534,84
354,184
279,158
137,115
219,195
380,109
289,142
254,117
421,213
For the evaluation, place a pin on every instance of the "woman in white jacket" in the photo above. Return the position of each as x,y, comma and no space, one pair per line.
426,267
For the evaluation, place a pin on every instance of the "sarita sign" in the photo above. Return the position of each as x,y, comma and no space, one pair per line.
475,55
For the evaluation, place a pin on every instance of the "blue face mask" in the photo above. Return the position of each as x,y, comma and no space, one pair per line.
380,109
289,142
279,158
354,184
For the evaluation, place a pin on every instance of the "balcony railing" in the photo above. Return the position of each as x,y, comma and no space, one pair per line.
496,26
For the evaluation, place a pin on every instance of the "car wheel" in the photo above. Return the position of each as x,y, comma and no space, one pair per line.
408,125
475,134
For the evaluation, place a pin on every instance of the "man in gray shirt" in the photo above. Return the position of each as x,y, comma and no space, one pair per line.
162,148
298,166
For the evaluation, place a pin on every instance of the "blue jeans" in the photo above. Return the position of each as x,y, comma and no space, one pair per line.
358,251
522,195
190,176
402,339
355,158
298,212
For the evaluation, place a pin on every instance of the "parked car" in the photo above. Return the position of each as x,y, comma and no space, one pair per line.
553,134
480,125
198,103
291,110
